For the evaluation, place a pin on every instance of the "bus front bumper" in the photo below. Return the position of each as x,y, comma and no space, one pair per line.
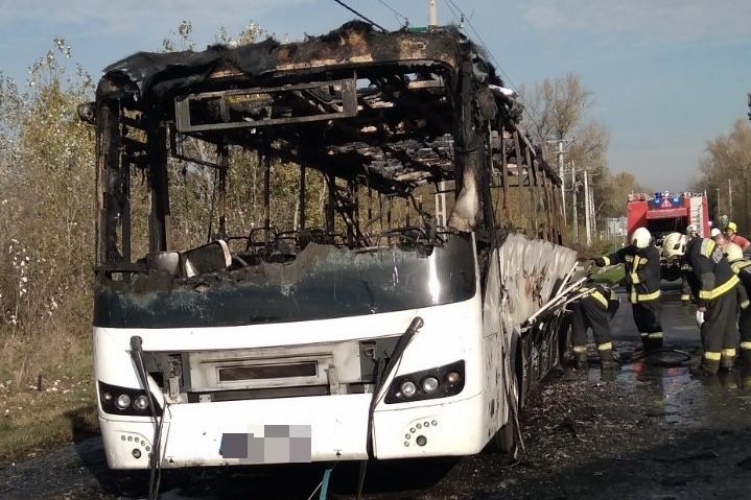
295,430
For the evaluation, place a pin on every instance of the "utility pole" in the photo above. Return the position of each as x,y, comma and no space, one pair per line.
563,179
718,203
730,200
587,208
440,197
560,143
433,19
575,214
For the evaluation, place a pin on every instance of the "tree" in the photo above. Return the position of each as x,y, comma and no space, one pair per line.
615,192
559,110
726,166
47,189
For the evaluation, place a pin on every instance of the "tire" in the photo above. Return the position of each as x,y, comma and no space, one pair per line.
506,441
565,353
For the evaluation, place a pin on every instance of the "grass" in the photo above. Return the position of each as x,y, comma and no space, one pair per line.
33,421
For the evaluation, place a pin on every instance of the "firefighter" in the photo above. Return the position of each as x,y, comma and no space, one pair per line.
731,235
595,307
718,237
692,232
641,260
715,285
742,268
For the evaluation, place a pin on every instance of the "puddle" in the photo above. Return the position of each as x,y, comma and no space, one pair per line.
678,397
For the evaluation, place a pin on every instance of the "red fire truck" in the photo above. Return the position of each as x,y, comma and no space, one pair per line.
664,213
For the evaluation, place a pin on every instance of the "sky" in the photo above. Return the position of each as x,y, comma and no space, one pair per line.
666,75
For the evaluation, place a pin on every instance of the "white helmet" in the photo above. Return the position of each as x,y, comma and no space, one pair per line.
641,238
732,251
674,245
715,233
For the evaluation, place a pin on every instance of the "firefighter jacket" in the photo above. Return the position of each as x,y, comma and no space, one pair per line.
642,271
739,240
742,269
603,295
708,271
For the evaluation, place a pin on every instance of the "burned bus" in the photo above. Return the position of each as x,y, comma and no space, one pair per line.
318,251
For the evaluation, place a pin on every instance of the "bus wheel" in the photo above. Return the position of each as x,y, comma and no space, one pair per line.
565,353
506,440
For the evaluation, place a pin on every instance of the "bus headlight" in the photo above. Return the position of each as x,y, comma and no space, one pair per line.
434,383
122,401
408,388
141,403
117,400
430,385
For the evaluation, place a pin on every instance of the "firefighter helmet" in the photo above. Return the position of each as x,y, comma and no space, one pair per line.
732,227
674,245
715,233
732,251
641,238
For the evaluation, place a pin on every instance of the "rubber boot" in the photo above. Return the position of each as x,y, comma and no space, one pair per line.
746,357
644,343
653,344
580,360
607,361
727,363
746,377
709,366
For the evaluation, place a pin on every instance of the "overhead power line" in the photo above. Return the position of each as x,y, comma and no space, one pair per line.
396,12
373,23
490,53
480,39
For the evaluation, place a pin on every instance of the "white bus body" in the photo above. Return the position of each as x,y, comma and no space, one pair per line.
315,346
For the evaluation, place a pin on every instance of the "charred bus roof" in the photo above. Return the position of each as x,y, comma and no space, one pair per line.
355,102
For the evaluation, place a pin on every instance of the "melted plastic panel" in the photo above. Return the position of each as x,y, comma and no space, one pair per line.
530,272
322,282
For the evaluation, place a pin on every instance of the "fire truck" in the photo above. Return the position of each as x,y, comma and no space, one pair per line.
664,213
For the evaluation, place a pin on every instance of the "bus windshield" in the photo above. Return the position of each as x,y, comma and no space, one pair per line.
321,281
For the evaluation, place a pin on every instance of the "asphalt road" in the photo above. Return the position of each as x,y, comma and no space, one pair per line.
649,430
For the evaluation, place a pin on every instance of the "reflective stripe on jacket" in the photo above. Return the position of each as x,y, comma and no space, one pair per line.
642,271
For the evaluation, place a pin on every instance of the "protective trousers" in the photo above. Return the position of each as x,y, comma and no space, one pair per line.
589,313
647,319
718,333
685,290
744,325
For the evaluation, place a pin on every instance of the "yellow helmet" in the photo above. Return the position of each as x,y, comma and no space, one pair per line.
732,227
674,245
732,251
641,238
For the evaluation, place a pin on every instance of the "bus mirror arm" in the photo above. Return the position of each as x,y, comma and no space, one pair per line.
136,352
380,377
401,345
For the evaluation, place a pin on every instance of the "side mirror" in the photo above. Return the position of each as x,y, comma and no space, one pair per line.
86,113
